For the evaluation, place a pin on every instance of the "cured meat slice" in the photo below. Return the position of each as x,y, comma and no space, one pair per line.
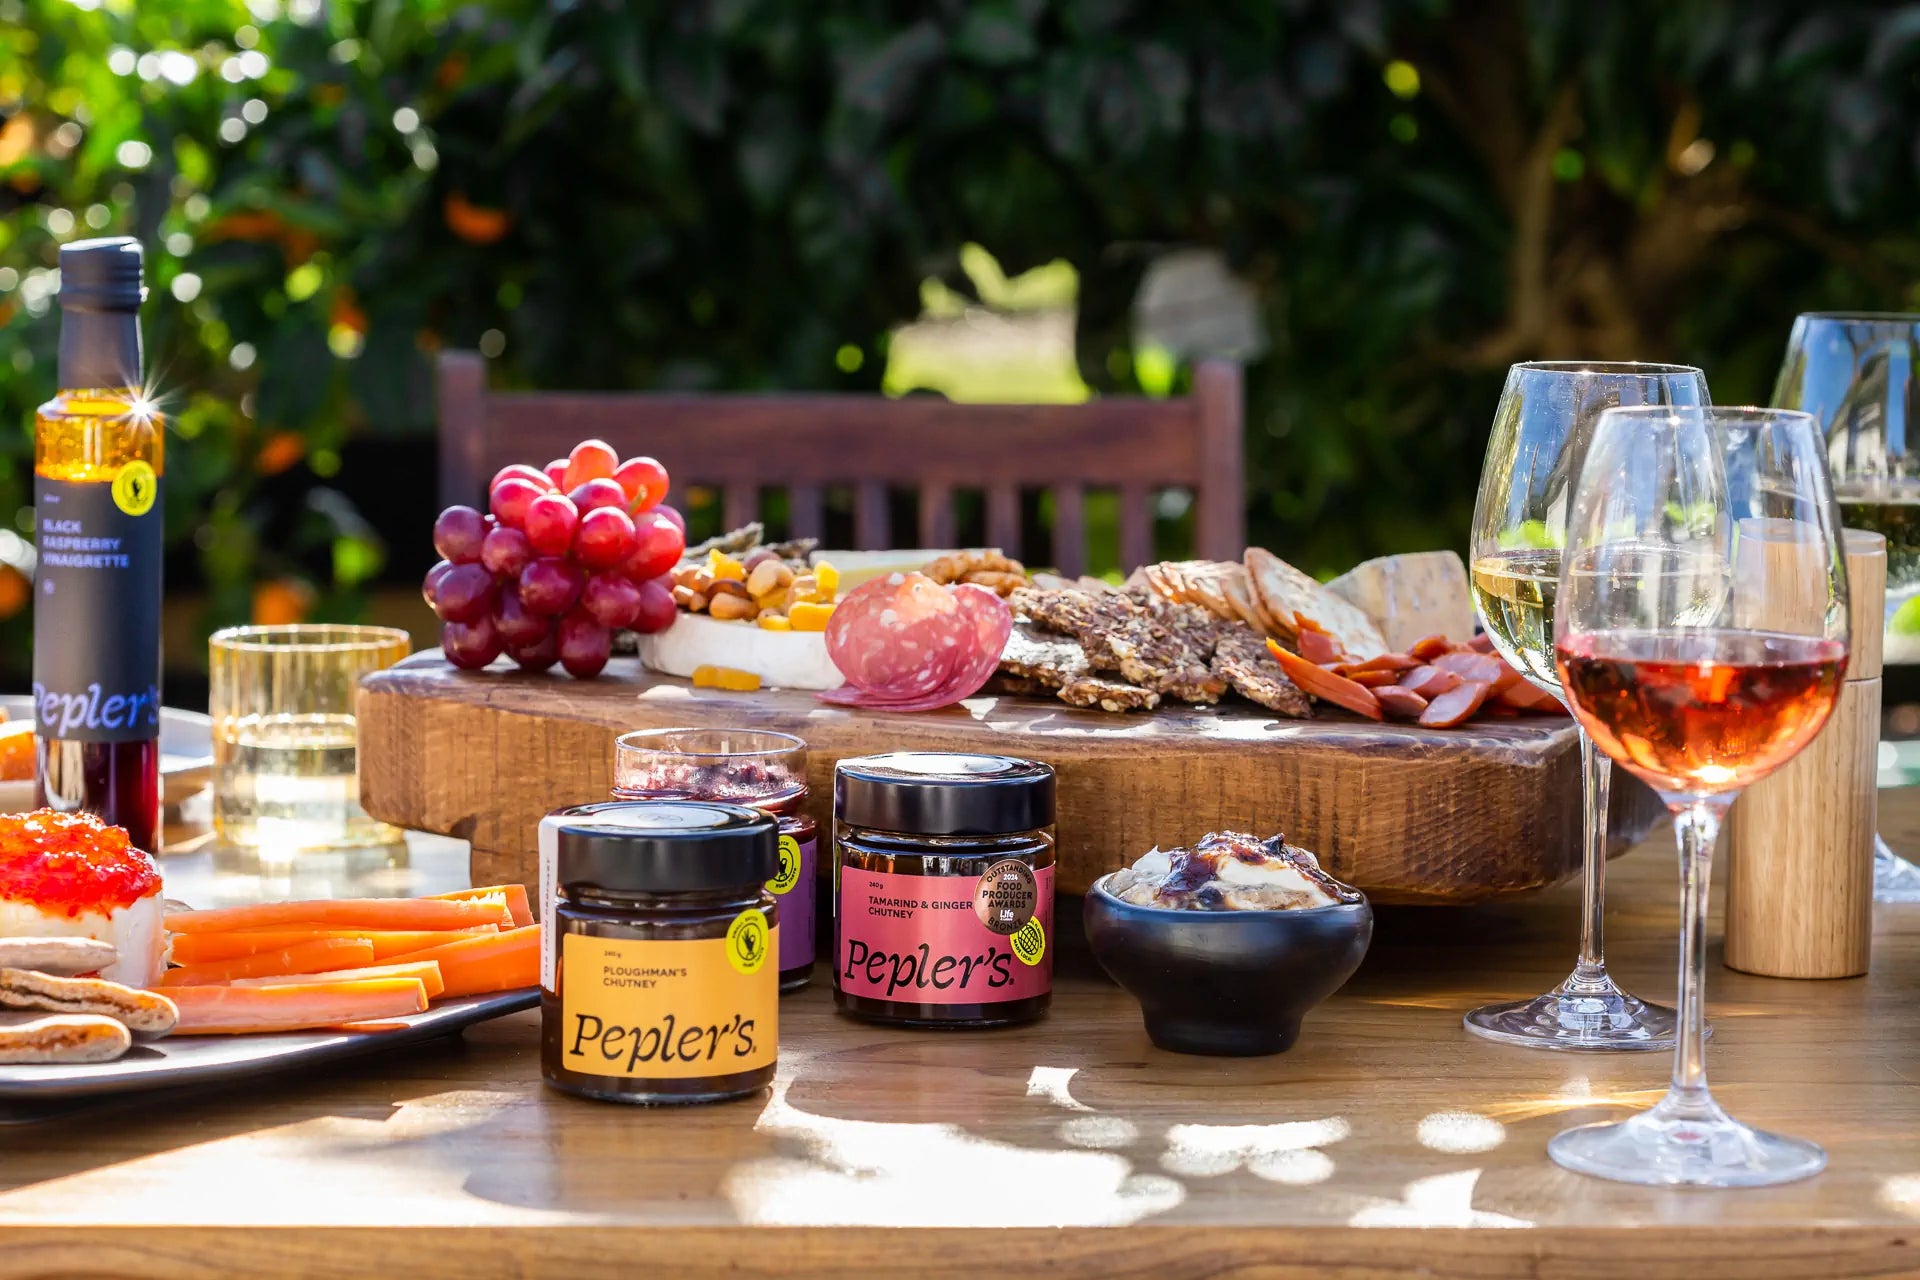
1431,682
1400,703
1455,705
903,650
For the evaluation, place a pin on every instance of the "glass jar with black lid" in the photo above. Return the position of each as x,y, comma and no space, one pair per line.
943,888
661,976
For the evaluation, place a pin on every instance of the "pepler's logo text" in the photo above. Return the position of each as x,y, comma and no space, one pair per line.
60,714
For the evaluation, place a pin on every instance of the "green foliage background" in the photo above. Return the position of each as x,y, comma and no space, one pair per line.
723,194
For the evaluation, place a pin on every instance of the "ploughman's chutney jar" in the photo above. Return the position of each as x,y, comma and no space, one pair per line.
659,983
754,767
943,888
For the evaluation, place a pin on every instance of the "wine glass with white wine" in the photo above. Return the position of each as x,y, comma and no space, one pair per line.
1540,432
1854,372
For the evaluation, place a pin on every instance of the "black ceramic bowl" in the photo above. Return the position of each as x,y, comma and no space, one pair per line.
1226,982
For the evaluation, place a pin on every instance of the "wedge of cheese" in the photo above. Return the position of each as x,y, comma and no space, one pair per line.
782,659
1410,596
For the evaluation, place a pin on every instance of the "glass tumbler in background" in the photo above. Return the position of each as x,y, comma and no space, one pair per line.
284,738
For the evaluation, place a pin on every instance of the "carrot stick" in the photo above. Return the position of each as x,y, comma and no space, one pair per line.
345,913
515,894
502,962
427,971
206,1011
1324,684
316,956
200,948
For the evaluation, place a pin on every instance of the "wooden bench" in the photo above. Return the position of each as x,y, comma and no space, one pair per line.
809,443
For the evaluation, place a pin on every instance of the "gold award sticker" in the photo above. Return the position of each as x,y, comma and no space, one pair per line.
747,941
1029,943
135,487
789,874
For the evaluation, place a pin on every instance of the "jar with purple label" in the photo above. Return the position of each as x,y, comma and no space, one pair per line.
754,767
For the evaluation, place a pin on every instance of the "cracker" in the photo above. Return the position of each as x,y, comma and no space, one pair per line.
61,1038
147,1012
1107,695
1241,659
63,957
1285,591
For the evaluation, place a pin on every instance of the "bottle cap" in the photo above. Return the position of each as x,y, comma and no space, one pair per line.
665,846
943,794
101,275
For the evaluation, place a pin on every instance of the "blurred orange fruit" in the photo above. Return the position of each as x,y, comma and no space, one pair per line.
280,602
476,224
14,591
281,450
16,751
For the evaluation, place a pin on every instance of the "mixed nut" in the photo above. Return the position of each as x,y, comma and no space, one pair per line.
758,587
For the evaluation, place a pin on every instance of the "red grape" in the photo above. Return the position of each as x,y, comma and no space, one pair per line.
430,588
524,471
464,593
606,537
598,493
610,600
506,552
590,460
550,586
556,472
585,645
510,499
551,521
673,514
657,610
457,534
516,623
540,654
644,481
470,644
658,544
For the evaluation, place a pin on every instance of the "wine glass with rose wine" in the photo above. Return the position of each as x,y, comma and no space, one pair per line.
1676,506
1854,371
1540,431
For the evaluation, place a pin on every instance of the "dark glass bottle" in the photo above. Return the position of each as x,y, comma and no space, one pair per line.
98,456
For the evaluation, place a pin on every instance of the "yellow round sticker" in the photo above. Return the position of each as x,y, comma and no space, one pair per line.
747,941
789,874
134,488
1029,942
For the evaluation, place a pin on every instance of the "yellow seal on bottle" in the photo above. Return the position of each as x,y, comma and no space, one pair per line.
135,487
747,941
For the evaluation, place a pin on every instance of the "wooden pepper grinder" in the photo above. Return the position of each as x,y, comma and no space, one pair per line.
1800,841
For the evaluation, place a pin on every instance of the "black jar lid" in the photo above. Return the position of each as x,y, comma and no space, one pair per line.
939,794
665,846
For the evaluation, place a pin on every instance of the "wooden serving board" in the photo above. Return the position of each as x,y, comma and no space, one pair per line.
1407,814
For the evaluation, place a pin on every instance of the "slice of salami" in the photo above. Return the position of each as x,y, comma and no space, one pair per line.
896,634
990,622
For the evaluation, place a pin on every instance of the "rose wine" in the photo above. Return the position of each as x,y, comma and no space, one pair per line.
98,455
1701,712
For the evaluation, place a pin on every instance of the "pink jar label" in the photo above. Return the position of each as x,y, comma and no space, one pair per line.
923,939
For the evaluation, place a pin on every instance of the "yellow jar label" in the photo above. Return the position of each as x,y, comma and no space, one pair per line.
748,941
134,488
789,874
674,1010
1029,943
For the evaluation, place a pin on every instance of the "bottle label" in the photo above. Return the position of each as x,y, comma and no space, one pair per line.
945,939
794,887
96,608
677,1010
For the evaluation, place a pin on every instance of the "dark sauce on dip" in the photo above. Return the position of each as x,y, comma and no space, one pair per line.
943,889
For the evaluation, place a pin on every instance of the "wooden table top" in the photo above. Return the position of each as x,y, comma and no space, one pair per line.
1102,1155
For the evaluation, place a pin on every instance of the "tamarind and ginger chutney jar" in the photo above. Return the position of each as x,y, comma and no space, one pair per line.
660,982
943,888
754,767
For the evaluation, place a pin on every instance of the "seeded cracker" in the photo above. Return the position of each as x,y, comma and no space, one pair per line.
1048,660
1108,695
1241,659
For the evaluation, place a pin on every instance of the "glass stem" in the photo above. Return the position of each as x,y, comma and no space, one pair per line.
1696,826
1596,784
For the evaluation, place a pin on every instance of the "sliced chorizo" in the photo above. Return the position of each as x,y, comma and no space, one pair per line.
1456,705
1401,704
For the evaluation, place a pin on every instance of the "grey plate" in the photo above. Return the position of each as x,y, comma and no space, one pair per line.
186,754
182,1061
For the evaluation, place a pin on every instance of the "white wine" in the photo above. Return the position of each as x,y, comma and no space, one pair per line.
1514,592
1893,511
291,782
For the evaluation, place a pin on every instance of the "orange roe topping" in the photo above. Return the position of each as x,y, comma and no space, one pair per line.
71,862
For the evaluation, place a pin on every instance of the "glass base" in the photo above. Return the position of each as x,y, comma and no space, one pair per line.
1686,1144
1894,878
1581,1015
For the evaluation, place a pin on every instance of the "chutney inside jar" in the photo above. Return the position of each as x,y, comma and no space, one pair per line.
754,767
943,888
660,982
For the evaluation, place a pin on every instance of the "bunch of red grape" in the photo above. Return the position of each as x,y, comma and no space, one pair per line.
565,557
